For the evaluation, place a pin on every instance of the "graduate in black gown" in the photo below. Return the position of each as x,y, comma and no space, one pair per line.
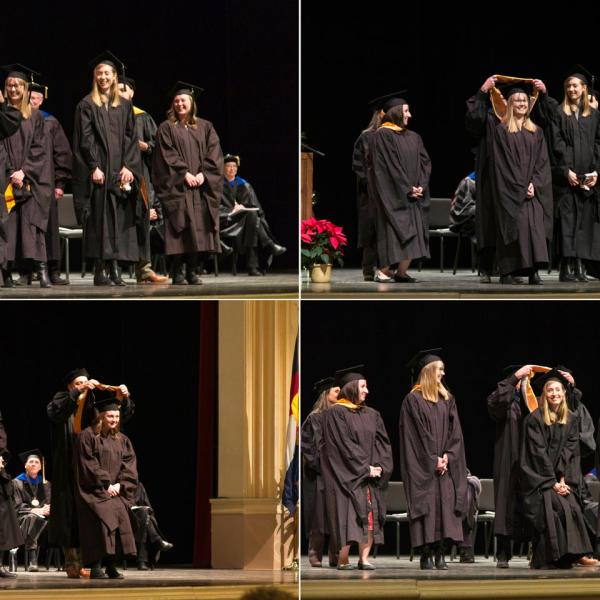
507,408
106,173
148,218
62,160
514,197
400,184
314,500
187,173
29,170
362,164
432,461
356,464
10,120
550,476
71,410
246,231
32,497
575,155
106,488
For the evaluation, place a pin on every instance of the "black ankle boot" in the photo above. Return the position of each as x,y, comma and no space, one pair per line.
177,270
32,559
580,271
535,279
115,272
54,271
191,265
440,561
426,561
565,273
41,268
100,277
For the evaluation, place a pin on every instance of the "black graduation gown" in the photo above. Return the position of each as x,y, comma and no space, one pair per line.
243,230
10,119
436,504
32,525
105,138
362,165
524,224
28,220
575,146
549,452
507,410
145,130
63,530
353,440
10,533
191,214
62,162
145,526
313,488
102,460
400,162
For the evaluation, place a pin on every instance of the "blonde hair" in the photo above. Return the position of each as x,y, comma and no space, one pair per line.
510,120
25,107
322,403
584,102
430,388
113,94
551,417
190,119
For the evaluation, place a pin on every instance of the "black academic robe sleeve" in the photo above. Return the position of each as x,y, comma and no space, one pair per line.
500,400
542,183
311,437
477,114
382,454
62,406
10,120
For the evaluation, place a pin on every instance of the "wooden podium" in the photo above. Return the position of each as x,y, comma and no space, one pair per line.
306,185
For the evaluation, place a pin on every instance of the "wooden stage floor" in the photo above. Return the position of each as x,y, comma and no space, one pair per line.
277,284
165,583
349,283
404,579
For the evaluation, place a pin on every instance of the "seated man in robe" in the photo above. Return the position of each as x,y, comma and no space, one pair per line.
32,494
242,219
148,536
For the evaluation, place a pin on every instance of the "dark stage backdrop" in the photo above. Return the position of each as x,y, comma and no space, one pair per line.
152,347
441,52
479,338
244,54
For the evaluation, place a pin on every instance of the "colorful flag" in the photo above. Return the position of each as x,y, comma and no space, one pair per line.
290,489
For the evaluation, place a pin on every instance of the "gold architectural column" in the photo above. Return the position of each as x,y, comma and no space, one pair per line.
250,528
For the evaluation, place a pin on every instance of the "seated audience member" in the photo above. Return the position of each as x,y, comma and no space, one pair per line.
242,219
32,495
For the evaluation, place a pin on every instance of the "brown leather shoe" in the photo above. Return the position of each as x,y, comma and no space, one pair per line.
152,277
586,561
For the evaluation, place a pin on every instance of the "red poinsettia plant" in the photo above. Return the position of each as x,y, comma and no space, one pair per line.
322,242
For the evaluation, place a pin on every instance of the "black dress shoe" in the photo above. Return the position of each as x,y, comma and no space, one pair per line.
426,563
97,573
143,566
404,278
163,546
254,272
535,279
277,250
508,280
113,573
440,562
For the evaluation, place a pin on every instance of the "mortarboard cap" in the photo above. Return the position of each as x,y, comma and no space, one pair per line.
421,359
581,73
79,372
231,158
344,376
181,87
24,456
539,382
109,403
108,58
388,101
19,71
323,385
40,88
